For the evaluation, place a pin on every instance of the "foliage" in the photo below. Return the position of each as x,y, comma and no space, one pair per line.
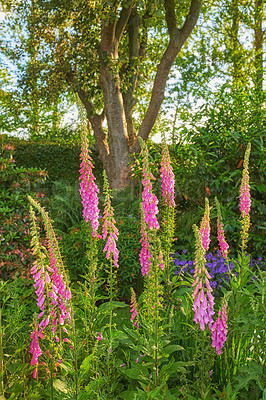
217,267
164,355
16,308
65,206
207,159
73,245
215,156
50,157
100,53
15,184
60,161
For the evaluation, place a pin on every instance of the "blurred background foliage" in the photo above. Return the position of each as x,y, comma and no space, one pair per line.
214,106
207,161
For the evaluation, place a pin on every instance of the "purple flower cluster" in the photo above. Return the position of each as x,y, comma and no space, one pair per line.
203,299
109,229
35,349
219,329
221,239
52,299
203,304
149,200
145,256
205,228
88,189
168,178
216,265
133,309
59,294
245,200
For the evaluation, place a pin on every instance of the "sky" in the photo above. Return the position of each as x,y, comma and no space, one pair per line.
72,113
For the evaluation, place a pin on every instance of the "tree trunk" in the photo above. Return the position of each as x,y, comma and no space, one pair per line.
117,143
117,161
258,33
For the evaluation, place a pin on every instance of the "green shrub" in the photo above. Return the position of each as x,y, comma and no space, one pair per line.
73,246
15,184
60,161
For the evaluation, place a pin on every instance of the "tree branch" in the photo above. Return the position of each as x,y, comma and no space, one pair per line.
122,22
132,70
96,122
177,39
191,20
136,50
170,16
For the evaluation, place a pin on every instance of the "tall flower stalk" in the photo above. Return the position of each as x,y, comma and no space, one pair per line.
145,256
51,287
245,201
110,232
134,309
88,188
205,227
167,177
219,329
149,210
89,196
151,261
203,299
149,200
153,307
168,220
220,231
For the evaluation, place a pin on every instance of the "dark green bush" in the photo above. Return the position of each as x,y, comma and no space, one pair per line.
73,246
60,161
208,161
15,184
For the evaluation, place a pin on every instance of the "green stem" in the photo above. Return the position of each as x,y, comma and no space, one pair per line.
156,327
169,232
110,312
76,370
1,355
52,379
75,354
203,363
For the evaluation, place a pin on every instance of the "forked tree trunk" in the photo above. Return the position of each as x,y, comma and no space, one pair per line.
119,140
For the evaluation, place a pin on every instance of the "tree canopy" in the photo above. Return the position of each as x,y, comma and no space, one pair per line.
109,53
117,56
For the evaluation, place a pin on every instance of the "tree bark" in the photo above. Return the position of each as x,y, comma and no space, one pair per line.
116,146
235,46
116,164
258,45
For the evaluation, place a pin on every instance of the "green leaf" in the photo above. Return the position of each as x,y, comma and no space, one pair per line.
155,391
128,394
86,364
137,372
68,367
60,385
105,307
191,397
170,349
175,367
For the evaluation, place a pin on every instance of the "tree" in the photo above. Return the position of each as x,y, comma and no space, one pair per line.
224,54
258,35
24,110
108,52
